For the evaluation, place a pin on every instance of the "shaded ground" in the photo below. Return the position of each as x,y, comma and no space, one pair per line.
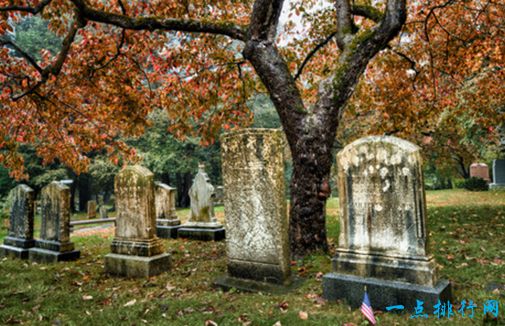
466,236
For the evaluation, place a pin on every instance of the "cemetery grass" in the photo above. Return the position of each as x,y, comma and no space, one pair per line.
466,236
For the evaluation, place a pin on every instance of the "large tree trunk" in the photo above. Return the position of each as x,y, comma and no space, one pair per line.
307,210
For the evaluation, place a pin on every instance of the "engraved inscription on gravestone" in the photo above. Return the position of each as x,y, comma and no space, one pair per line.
135,250
255,209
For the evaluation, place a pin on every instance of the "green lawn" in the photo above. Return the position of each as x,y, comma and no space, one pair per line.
467,236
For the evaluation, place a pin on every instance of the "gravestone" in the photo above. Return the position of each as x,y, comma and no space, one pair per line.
167,221
255,208
91,209
498,174
54,244
20,237
219,196
480,170
202,224
383,236
135,250
103,211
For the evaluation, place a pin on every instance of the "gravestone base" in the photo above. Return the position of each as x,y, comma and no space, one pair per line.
409,269
201,233
497,186
136,266
13,252
227,282
40,255
167,232
382,293
262,272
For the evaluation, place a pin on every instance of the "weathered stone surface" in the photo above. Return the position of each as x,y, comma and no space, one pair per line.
498,174
167,221
480,170
136,251
91,209
383,293
20,236
165,205
104,212
255,206
383,214
201,196
219,195
55,226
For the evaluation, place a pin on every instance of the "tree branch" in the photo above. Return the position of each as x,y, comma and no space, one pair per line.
264,19
57,65
313,52
28,57
369,12
33,10
345,25
156,23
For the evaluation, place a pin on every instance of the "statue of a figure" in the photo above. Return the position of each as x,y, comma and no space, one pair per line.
201,194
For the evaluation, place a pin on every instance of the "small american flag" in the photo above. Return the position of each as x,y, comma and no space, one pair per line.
366,309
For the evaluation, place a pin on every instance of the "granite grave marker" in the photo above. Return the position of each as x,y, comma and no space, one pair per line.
136,251
383,236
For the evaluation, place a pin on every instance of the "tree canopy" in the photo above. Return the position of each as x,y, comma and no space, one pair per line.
201,61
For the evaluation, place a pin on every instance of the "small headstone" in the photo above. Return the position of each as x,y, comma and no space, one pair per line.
202,224
100,199
135,250
382,243
104,212
480,170
255,207
167,221
219,196
20,237
498,174
54,244
91,209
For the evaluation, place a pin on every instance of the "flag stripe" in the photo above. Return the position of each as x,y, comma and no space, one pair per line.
366,309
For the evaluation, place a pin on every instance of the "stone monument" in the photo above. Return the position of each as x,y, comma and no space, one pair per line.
20,237
167,221
480,170
91,209
202,224
103,211
219,196
255,207
498,174
135,250
383,237
54,244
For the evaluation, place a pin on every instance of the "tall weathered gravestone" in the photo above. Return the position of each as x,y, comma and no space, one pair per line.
383,237
202,224
255,207
54,244
498,174
167,221
480,170
20,236
135,250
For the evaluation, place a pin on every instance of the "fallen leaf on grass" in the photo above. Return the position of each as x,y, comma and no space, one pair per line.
169,287
87,297
277,323
283,306
130,303
210,323
303,315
